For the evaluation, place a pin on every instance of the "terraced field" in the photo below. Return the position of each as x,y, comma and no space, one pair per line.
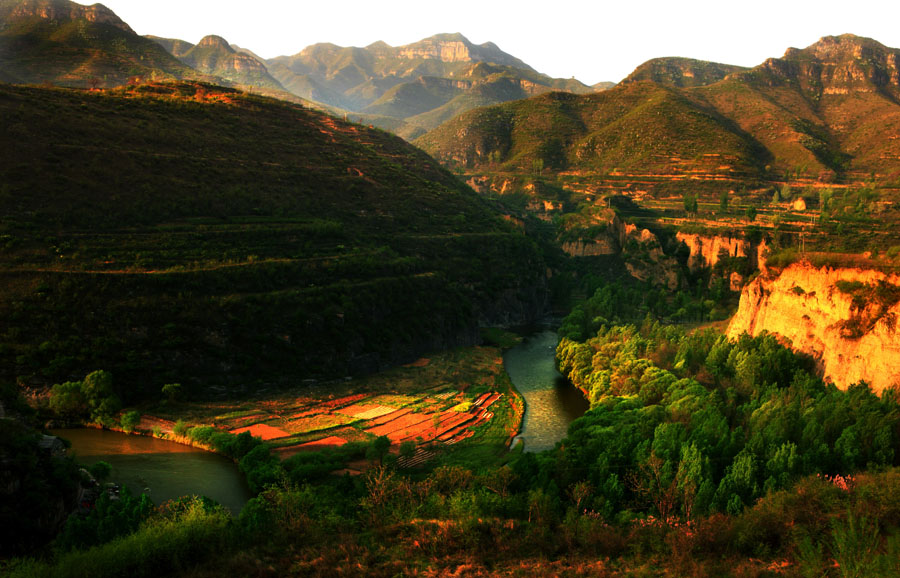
454,399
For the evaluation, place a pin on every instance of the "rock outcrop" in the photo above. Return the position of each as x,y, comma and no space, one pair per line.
457,48
823,313
706,251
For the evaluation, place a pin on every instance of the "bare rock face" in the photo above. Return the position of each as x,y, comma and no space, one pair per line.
444,51
597,247
843,64
455,48
705,251
65,10
852,339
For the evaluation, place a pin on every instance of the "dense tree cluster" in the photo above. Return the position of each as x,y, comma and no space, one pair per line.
691,423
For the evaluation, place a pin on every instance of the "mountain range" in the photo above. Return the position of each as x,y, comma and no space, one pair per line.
407,89
414,87
828,112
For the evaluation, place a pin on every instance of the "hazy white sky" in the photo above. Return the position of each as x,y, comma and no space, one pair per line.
590,40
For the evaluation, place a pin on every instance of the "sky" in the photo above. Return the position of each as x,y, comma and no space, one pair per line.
592,41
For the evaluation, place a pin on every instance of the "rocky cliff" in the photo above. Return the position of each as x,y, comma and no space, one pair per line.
706,251
839,65
457,48
845,318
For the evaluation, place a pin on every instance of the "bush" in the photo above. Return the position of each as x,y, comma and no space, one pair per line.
162,546
130,420
181,428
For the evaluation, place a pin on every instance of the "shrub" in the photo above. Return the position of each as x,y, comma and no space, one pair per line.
181,428
130,420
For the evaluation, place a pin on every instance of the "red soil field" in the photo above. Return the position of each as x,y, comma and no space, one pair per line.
261,430
313,446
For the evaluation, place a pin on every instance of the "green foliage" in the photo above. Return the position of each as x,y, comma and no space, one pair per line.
690,204
378,449
107,520
164,545
261,468
92,399
36,487
100,471
171,391
407,449
782,258
130,420
289,270
67,400
716,425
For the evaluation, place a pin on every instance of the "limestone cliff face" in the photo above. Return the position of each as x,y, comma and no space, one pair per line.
457,48
840,65
804,305
65,10
644,256
444,51
705,251
595,248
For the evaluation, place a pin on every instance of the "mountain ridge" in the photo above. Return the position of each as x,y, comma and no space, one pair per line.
827,112
215,56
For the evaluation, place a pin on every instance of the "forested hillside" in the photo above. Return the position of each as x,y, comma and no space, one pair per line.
185,232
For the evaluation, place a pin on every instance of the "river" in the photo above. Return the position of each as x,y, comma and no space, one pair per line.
551,402
168,469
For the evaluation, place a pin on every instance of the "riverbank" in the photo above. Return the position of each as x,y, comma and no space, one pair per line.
551,403
162,469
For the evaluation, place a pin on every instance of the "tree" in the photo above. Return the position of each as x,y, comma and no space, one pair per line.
580,492
130,420
68,401
690,204
407,449
102,400
171,391
751,213
723,201
378,449
101,471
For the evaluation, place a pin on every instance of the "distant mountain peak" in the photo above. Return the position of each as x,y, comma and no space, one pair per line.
454,47
213,41
845,44
449,37
61,10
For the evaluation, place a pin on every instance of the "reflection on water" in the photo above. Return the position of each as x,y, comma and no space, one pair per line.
168,469
551,402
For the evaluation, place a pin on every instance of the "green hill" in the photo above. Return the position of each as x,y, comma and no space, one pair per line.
641,126
185,232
